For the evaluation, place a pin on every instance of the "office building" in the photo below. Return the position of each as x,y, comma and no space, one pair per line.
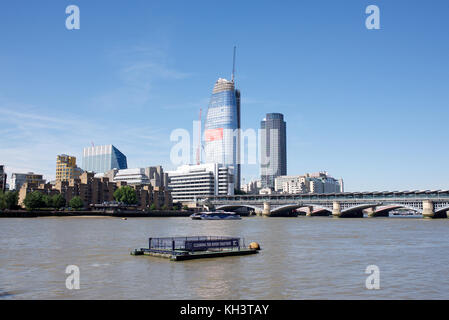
138,176
157,176
66,168
190,182
222,126
273,146
18,179
320,182
131,176
252,187
100,159
3,178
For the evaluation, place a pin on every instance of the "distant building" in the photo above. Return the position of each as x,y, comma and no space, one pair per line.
100,159
18,179
66,168
131,176
138,176
320,182
252,187
3,178
273,149
157,176
190,182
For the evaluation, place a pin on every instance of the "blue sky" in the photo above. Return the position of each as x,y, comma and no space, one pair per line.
370,106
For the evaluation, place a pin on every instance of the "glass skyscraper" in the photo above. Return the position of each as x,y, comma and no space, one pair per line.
273,149
222,139
100,159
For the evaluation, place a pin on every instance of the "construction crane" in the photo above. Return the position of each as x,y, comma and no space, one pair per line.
233,65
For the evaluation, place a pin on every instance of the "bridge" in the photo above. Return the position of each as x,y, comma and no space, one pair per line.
429,203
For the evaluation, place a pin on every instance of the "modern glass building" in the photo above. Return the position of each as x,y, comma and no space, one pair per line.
100,159
222,139
273,149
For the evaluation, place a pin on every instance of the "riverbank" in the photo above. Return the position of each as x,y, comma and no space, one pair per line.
121,214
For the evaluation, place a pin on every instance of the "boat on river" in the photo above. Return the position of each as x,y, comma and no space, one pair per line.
215,215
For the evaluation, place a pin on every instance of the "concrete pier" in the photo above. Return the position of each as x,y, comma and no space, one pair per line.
336,211
428,209
266,209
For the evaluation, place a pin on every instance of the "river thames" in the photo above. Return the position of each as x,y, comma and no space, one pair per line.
301,258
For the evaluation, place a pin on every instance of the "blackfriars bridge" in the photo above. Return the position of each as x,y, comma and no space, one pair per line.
431,204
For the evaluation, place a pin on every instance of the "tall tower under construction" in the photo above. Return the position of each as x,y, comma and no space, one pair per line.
222,127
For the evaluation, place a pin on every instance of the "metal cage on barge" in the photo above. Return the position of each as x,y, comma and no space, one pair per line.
184,248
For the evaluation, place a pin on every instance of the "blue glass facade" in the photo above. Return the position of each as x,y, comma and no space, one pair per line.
222,139
103,158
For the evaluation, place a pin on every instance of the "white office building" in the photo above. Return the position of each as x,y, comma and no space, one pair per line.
320,182
190,182
132,176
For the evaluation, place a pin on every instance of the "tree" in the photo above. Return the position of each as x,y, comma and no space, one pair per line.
76,203
2,200
164,207
34,200
126,194
58,201
9,200
153,206
185,207
48,201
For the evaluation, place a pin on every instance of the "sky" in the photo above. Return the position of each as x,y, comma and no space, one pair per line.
368,106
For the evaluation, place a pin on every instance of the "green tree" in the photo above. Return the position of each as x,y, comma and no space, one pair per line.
76,203
34,200
2,200
164,207
9,200
12,199
126,194
153,206
185,207
58,201
48,201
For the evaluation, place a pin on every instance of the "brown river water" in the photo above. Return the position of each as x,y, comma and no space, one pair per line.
301,258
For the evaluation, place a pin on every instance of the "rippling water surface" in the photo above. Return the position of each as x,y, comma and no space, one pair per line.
302,258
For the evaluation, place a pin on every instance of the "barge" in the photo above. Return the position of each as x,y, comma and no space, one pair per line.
188,248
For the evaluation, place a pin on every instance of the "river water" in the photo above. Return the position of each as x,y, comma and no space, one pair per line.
302,258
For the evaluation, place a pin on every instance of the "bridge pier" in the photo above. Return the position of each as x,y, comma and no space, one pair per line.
309,211
428,211
266,209
371,212
336,210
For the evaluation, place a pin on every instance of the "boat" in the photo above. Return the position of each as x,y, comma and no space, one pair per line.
215,215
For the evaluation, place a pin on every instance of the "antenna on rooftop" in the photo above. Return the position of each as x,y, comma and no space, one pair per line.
233,65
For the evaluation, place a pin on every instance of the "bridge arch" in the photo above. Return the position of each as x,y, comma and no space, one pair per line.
236,206
395,206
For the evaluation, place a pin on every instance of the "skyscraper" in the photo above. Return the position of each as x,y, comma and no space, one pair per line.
222,139
222,127
100,159
273,149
